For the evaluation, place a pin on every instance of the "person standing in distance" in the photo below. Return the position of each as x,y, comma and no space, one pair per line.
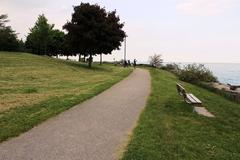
134,63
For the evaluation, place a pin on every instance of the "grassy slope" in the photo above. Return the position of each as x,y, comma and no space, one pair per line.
168,129
34,88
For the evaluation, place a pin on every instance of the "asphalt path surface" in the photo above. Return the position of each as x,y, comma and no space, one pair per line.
92,130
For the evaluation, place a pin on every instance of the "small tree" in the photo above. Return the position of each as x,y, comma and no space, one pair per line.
8,37
40,36
156,60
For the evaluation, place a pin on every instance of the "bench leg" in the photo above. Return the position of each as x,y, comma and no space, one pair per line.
196,105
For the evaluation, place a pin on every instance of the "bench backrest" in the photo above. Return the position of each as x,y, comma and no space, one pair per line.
181,90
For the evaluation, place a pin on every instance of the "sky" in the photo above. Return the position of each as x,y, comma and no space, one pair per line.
179,30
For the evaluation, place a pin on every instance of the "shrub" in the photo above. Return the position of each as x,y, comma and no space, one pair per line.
156,60
196,73
172,67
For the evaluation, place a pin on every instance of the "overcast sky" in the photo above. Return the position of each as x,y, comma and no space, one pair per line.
180,30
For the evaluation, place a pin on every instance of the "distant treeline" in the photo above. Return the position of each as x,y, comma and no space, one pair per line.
91,31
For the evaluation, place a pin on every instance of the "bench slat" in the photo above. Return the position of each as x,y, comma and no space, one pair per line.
195,98
181,87
191,99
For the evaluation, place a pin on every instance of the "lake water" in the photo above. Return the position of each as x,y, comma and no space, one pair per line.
225,72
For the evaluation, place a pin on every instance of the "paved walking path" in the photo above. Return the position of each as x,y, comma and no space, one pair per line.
93,130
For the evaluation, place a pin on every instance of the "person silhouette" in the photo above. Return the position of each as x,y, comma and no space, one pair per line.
134,63
129,63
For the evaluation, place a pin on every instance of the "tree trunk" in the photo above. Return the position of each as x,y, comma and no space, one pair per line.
79,58
90,61
57,56
45,49
84,58
101,59
67,58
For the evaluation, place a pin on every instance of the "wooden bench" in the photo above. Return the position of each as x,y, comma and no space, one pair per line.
188,97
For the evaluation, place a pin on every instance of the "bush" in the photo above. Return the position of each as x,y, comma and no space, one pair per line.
156,60
173,67
196,73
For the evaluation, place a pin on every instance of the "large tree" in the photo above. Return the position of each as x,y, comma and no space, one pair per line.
93,31
113,35
8,37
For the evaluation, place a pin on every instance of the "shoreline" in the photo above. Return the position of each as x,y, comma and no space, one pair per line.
224,87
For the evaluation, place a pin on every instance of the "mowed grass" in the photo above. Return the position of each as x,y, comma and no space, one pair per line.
34,88
169,130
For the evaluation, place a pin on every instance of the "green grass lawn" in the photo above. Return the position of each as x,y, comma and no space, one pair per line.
35,88
169,130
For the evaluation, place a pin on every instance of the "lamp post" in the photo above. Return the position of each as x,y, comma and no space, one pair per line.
125,48
125,52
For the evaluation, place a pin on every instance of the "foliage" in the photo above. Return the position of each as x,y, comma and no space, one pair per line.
43,39
94,31
21,46
195,73
156,60
56,43
168,129
172,67
39,36
8,37
3,20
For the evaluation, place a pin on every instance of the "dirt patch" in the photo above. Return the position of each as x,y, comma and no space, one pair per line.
203,111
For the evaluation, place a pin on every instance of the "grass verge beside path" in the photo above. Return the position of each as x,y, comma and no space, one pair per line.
34,88
168,129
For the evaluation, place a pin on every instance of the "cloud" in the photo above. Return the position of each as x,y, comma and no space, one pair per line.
205,7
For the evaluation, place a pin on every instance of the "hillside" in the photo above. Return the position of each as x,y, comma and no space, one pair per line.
34,88
168,128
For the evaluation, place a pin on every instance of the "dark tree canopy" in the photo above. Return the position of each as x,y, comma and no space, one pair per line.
3,20
56,42
8,37
114,34
94,31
